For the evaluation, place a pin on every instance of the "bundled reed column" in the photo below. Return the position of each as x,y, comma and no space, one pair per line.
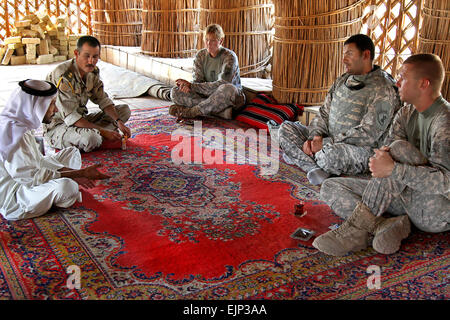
170,28
117,22
434,36
248,30
308,46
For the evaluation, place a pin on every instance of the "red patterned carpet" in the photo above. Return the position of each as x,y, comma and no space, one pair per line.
158,230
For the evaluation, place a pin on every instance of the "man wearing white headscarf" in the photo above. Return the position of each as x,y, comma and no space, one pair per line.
30,183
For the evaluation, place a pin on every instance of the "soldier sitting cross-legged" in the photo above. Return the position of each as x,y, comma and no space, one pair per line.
216,87
410,174
78,80
353,120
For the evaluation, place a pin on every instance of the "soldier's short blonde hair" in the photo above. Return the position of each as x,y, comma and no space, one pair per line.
216,29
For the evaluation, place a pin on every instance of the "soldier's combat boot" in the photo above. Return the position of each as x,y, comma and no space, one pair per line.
352,235
389,233
189,112
174,109
239,101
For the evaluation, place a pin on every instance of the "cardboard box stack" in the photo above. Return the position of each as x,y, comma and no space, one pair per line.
37,40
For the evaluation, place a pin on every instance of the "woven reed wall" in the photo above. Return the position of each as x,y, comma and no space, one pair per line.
393,26
247,25
117,22
308,46
434,35
170,28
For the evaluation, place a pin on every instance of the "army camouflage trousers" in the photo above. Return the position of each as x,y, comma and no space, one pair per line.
86,139
428,212
226,95
334,158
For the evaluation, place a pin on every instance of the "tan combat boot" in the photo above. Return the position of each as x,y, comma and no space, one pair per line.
389,233
174,109
239,101
352,235
189,112
180,111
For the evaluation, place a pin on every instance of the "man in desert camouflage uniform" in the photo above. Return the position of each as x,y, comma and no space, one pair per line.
216,88
78,81
353,120
410,175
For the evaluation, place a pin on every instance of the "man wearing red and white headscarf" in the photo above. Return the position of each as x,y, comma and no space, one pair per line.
30,183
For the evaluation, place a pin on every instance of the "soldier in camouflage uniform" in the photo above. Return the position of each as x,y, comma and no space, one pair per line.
410,176
216,88
78,81
353,120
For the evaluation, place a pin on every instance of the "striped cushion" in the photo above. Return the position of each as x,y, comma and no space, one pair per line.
264,108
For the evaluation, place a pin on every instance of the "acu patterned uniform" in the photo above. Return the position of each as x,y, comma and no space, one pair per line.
353,120
216,84
72,97
420,181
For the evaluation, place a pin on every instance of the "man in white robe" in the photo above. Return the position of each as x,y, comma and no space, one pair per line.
30,183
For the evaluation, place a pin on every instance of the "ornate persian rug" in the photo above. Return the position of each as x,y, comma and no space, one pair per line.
171,223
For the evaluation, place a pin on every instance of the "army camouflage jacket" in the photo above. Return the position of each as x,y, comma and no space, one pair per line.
229,72
358,109
433,178
73,94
